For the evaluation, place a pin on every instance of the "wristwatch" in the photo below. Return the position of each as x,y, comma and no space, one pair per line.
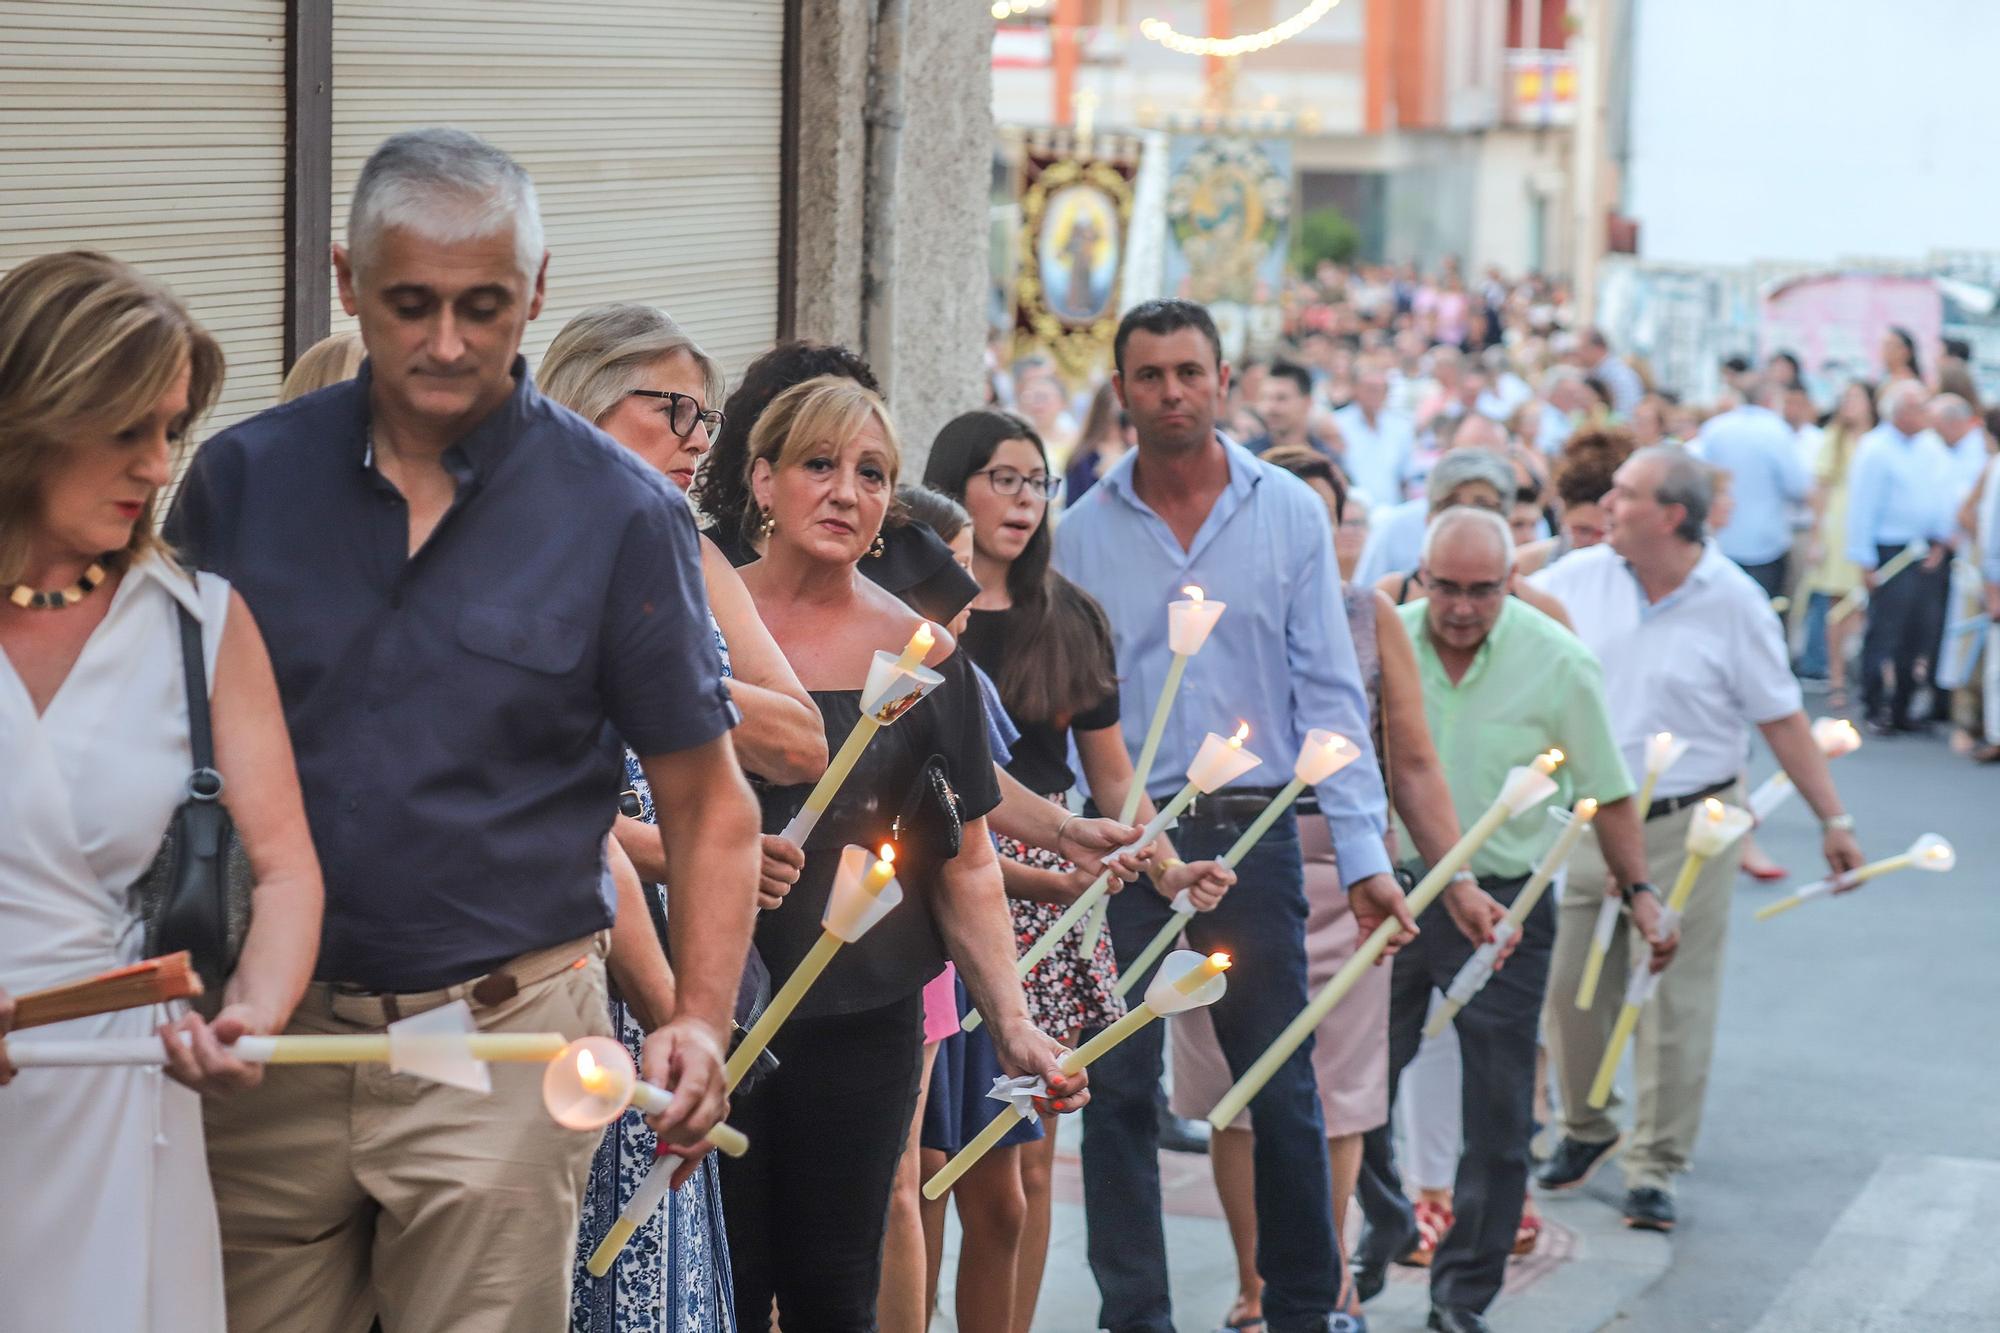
1843,823
1633,890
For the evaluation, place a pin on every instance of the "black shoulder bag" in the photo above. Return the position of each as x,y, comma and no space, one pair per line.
196,894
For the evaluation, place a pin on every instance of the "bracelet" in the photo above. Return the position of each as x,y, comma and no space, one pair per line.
1633,890
1163,868
1065,824
1841,823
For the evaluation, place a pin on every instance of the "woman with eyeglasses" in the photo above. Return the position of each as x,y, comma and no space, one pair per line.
1047,644
634,372
808,1207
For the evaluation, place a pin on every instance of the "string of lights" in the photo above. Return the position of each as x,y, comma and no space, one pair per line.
1163,32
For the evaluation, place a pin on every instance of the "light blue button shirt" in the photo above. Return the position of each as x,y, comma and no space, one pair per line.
1898,492
1766,478
1376,458
1281,657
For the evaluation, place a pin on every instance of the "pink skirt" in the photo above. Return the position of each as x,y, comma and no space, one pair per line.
941,1005
1351,1048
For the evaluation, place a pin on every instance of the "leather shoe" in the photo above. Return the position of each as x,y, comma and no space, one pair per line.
1573,1162
1649,1209
1444,1319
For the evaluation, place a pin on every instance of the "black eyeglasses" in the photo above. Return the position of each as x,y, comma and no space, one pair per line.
683,412
1007,481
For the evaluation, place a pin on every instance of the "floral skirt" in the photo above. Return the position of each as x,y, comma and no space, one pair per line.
1066,992
673,1276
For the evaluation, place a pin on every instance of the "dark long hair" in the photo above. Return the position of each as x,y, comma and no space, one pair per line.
1060,659
1905,337
722,490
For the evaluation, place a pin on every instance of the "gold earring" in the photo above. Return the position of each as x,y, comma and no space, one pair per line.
878,548
766,525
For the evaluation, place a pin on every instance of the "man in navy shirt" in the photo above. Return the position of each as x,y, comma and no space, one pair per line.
471,597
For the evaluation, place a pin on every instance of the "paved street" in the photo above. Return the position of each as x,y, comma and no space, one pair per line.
1848,1177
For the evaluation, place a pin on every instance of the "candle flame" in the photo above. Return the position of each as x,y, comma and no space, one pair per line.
1219,961
1242,735
1713,808
1937,851
1556,755
1587,808
887,853
1665,738
586,1065
1194,594
924,635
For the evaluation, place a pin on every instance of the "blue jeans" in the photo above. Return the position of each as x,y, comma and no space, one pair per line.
1261,924
1813,661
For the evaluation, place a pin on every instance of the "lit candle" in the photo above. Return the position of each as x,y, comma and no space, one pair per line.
1219,762
1929,852
1179,988
1321,755
917,649
591,1082
1189,623
849,915
1524,789
1662,753
1478,969
894,686
1835,736
1710,833
858,901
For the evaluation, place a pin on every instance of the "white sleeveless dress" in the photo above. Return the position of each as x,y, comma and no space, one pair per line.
106,1216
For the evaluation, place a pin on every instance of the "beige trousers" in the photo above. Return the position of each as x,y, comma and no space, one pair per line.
1676,1034
347,1192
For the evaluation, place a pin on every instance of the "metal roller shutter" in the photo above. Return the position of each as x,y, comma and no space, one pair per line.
651,129
155,131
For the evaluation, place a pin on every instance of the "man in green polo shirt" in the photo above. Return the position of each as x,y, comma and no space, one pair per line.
1502,682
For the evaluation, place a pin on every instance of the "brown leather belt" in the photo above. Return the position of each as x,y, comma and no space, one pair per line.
380,1008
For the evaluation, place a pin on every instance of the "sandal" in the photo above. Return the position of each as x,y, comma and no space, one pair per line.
1529,1231
1433,1220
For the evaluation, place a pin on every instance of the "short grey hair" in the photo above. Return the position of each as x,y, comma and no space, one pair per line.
601,354
1459,466
1686,482
446,185
1899,392
1451,520
1951,407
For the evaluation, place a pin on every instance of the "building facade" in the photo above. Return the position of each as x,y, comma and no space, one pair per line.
714,159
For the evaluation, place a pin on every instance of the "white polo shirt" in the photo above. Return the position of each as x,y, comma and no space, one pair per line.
1707,662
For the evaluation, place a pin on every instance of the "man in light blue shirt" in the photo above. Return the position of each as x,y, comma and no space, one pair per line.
1376,444
1767,479
1188,508
1899,491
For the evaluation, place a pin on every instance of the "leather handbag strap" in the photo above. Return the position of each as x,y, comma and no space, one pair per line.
201,739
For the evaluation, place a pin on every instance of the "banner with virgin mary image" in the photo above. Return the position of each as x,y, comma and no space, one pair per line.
1074,212
1229,230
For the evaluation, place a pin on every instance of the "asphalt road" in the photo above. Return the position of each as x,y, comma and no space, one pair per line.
1848,1173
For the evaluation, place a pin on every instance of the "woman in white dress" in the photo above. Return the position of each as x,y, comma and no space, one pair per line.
106,1217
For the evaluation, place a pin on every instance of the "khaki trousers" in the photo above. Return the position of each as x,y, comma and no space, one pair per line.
347,1192
1676,1035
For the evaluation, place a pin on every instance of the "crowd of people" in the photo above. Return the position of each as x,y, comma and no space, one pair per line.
518,680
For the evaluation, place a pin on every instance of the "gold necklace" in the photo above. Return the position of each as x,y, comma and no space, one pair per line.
30,600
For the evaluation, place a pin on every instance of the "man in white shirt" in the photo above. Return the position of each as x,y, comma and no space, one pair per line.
1376,443
1593,353
1689,646
1768,479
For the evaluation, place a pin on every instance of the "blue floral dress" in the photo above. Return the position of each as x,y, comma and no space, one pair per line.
673,1276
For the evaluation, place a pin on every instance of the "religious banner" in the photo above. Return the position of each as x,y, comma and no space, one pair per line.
1834,322
1229,207
1076,204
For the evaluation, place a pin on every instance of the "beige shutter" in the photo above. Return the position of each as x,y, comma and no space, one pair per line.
154,130
651,130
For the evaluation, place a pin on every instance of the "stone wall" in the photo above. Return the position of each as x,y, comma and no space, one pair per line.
937,307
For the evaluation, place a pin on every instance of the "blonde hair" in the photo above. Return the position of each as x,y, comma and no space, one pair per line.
88,346
330,361
600,355
831,408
